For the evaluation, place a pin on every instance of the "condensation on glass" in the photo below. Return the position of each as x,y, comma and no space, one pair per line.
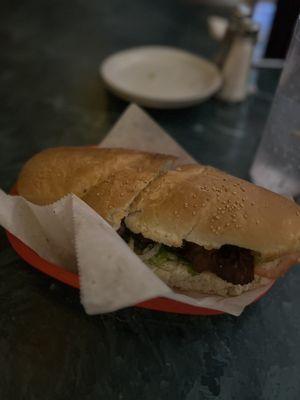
277,162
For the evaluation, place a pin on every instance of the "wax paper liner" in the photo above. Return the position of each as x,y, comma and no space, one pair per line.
70,234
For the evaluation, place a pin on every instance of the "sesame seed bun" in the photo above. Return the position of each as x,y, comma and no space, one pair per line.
194,203
106,179
208,207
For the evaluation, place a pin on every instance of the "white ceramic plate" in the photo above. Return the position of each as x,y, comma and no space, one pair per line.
160,77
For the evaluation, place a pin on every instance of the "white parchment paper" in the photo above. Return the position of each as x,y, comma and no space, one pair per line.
70,234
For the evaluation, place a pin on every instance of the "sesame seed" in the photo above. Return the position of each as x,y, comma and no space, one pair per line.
298,213
194,195
194,213
186,205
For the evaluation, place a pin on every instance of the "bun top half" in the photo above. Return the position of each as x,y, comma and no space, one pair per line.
196,203
106,179
208,207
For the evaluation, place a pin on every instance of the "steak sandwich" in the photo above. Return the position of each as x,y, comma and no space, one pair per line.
197,228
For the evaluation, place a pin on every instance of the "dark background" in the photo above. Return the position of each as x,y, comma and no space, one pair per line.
51,95
282,28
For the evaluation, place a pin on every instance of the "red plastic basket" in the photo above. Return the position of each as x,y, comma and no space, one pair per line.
72,279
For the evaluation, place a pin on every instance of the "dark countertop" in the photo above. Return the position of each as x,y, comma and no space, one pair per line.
50,94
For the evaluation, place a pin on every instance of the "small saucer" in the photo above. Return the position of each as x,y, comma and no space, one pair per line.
160,77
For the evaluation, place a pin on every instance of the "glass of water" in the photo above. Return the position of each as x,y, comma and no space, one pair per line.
277,162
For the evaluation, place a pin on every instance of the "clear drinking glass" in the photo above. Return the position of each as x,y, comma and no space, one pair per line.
277,162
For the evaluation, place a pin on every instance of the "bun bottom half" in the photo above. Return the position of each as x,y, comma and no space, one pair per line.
177,276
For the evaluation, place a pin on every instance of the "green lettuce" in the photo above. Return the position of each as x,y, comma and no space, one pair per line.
164,255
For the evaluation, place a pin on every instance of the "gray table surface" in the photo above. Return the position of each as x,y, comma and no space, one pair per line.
51,95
